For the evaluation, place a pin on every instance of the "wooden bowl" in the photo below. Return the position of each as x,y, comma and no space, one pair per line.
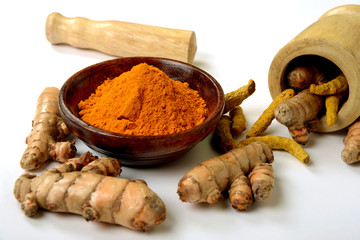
139,150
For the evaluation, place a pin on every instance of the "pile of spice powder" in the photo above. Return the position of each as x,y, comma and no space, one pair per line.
143,101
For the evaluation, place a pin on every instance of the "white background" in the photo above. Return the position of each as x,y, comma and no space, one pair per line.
237,40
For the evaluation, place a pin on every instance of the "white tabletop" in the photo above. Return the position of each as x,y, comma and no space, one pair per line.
237,41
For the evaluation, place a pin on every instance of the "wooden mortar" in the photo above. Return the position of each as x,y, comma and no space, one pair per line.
335,39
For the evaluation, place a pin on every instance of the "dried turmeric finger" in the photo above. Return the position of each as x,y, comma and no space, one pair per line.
269,114
238,121
332,108
335,86
223,134
281,143
235,98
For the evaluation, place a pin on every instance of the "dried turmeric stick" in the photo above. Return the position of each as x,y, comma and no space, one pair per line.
335,86
268,115
235,98
238,121
95,196
280,143
332,103
223,135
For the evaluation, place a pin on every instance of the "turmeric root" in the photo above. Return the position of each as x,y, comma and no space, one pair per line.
280,143
258,185
262,181
268,115
238,121
351,152
301,77
207,181
44,141
297,112
88,163
94,196
240,192
235,98
335,86
223,135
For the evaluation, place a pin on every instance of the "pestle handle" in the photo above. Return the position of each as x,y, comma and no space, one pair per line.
121,39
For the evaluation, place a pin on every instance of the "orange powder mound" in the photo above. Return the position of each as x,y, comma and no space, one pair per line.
143,101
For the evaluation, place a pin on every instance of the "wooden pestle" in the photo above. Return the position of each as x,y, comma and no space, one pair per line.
121,39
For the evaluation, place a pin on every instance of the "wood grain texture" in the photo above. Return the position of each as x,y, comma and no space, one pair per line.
334,37
122,39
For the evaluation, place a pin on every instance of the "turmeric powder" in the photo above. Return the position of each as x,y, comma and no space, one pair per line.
144,101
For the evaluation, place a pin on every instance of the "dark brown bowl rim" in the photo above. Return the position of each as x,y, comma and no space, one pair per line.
76,120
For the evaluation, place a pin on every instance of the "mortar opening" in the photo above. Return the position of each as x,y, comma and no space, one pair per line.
323,65
324,69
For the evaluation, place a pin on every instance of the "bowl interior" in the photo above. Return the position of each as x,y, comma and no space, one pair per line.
139,150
